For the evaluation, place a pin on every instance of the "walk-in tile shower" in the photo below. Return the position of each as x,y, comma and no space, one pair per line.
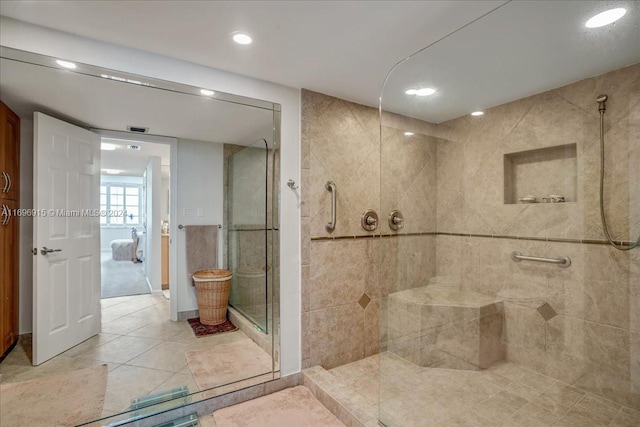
521,312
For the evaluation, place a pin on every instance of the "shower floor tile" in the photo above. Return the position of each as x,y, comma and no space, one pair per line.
504,395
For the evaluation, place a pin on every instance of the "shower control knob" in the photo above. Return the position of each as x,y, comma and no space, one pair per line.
396,220
369,220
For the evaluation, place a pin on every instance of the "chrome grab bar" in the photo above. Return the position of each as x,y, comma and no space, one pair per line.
181,227
561,262
331,186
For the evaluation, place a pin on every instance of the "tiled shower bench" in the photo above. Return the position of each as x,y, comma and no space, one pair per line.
445,328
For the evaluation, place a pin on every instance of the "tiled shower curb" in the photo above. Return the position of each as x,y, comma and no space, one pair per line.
330,392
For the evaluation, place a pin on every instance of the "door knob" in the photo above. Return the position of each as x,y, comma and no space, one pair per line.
45,250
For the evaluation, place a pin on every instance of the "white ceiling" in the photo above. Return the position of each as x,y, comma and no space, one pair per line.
346,48
521,49
94,102
133,163
341,48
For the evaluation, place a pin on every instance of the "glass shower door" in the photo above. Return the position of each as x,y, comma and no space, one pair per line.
503,302
248,232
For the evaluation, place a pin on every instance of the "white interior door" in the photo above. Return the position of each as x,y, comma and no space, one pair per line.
66,235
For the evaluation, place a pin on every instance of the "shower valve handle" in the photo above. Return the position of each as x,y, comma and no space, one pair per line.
369,220
396,220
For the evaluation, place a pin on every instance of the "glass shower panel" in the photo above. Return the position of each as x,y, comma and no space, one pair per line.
248,232
484,321
273,237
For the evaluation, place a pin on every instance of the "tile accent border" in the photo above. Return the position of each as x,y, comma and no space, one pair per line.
373,236
485,236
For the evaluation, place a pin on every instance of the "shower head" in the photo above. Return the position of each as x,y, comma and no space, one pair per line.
600,99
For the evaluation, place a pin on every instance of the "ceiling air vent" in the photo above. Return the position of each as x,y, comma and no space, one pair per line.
137,129
134,147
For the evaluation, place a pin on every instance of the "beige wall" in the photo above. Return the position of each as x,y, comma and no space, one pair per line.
342,282
452,175
594,341
470,163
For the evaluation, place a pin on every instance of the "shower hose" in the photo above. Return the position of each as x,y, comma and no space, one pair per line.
601,100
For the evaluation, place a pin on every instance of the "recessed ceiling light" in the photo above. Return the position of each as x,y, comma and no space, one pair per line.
606,18
477,113
108,147
122,79
206,92
241,38
112,171
408,134
66,64
425,91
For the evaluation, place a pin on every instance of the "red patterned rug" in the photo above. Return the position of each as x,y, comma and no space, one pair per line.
203,330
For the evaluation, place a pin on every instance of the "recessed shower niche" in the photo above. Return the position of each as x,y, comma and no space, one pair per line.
541,173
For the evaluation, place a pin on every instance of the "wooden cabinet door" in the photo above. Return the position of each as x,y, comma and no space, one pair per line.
9,153
8,275
9,192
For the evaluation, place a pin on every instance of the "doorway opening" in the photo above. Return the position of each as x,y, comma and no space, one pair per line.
134,217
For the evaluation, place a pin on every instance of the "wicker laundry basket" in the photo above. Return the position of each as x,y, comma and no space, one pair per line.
212,290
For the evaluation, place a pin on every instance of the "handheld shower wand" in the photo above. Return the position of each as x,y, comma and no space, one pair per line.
601,99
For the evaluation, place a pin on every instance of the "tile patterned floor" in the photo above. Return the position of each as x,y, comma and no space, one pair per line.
505,395
142,347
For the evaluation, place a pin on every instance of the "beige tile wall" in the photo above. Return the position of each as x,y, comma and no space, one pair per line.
341,143
593,342
600,290
470,169
452,175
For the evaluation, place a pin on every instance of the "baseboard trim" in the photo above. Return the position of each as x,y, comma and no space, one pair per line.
189,314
